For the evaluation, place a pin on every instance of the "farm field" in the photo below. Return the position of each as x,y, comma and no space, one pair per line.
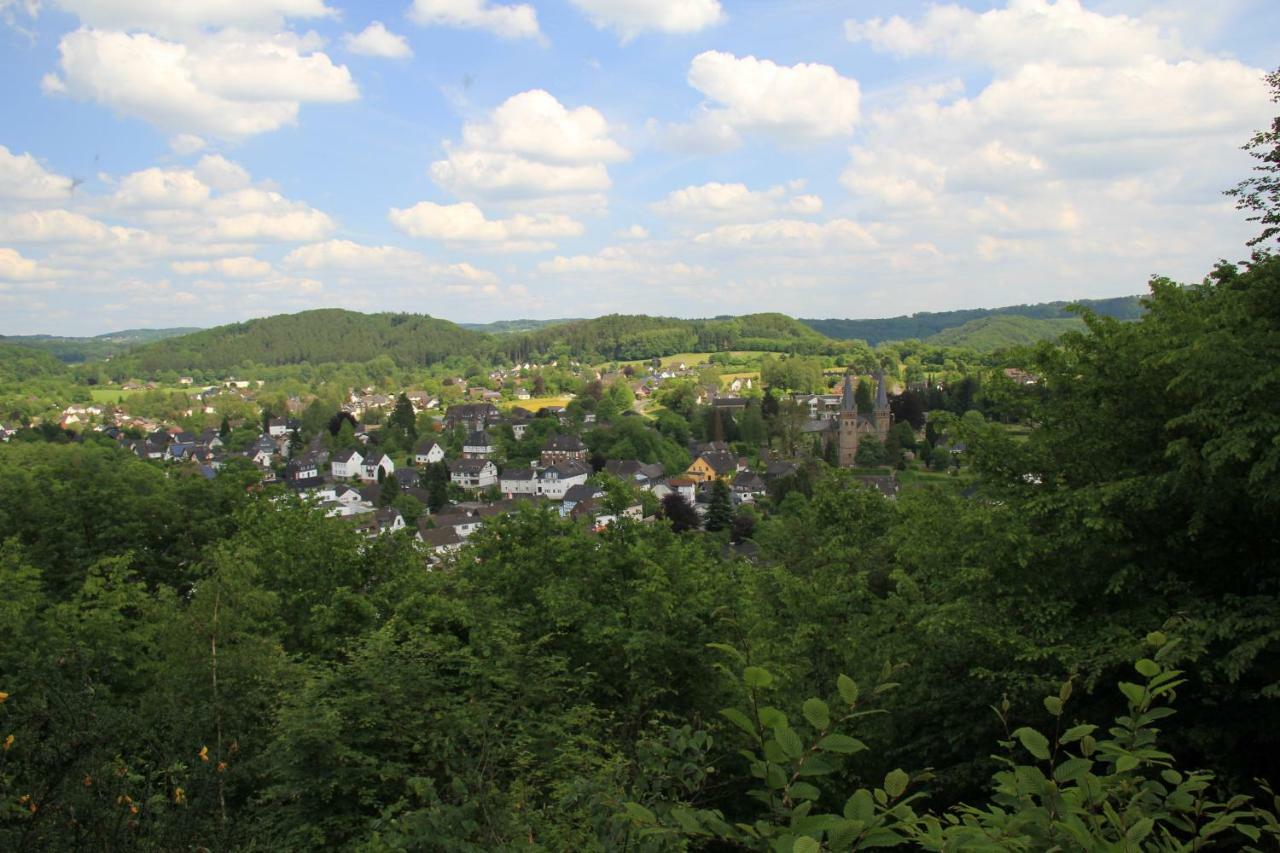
112,395
535,403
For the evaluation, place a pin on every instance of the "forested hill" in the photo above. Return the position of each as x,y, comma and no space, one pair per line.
925,324
631,336
73,350
1002,331
335,336
322,336
20,364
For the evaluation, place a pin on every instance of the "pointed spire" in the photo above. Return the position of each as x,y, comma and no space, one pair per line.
882,393
847,402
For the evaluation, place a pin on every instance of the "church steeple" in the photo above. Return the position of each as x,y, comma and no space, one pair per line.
882,393
882,417
847,401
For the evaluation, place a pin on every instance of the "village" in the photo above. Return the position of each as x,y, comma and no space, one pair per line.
460,469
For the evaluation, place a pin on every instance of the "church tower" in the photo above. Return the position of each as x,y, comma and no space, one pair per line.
847,426
882,416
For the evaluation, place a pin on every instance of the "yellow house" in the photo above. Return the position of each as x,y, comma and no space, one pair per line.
700,471
711,465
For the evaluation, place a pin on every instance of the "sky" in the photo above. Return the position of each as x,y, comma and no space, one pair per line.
197,162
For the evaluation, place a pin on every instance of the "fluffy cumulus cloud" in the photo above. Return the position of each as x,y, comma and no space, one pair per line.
377,40
228,84
630,18
532,147
508,21
14,267
22,178
465,223
385,262
795,103
735,202
1096,137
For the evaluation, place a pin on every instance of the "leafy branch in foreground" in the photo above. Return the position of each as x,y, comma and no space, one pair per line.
1081,791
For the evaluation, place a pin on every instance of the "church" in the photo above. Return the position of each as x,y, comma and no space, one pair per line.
849,426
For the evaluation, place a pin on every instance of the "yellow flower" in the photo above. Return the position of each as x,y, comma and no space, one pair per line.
179,796
88,781
204,753
222,766
8,742
133,809
3,696
23,799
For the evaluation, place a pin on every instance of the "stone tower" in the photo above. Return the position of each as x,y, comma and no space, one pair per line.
847,426
882,416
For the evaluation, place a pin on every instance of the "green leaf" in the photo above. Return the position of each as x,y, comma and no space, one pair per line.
687,820
1072,769
728,650
842,744
895,783
848,689
805,844
740,720
1136,694
1053,705
1156,639
639,813
1125,763
774,777
790,742
817,713
1139,830
1147,668
757,677
1034,742
804,791
860,806
1074,733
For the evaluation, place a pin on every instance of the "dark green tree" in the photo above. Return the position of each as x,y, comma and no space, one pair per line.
1261,193
719,508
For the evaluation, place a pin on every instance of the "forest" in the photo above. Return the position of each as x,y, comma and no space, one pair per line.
1077,653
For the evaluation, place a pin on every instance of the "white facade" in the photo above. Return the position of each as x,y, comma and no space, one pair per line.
433,455
350,468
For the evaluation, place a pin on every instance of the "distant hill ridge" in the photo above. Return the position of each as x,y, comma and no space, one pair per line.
925,324
72,350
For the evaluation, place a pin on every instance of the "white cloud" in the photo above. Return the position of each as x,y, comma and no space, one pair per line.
377,40
635,232
466,223
191,15
733,202
161,188
614,260
536,125
531,146
630,18
514,21
52,226
186,143
229,84
22,178
1026,31
14,267
347,256
790,235
238,267
802,102
221,174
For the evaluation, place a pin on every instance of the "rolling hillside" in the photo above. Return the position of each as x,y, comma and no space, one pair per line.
1001,331
925,324
73,350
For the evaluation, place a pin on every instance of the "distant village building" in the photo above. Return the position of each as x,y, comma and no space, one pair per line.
850,427
563,448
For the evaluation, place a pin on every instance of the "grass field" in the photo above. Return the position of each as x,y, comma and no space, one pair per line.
726,378
111,395
535,403
918,478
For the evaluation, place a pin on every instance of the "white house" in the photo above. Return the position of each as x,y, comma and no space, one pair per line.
428,453
554,481
473,473
377,467
519,481
479,445
346,463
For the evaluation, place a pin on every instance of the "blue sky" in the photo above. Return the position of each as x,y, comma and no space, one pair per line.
212,160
